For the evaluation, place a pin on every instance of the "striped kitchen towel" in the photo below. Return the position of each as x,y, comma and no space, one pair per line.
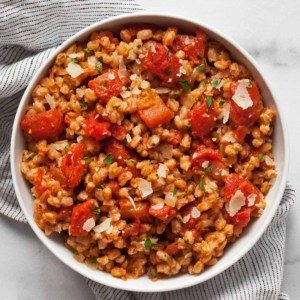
29,32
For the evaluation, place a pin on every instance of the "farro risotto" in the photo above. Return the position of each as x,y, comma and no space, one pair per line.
148,151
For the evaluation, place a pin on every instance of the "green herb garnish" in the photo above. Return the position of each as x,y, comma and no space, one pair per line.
215,83
186,242
209,101
75,251
95,210
108,159
249,85
94,260
185,85
175,191
260,156
102,186
87,50
153,272
148,244
179,254
168,72
221,103
129,160
97,168
116,106
208,169
88,160
201,185
175,95
28,158
83,104
99,67
168,53
66,148
139,46
75,61
200,67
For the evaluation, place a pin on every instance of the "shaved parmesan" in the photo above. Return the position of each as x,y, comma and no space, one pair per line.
154,240
182,70
145,187
136,91
145,84
251,199
186,218
195,213
205,164
79,138
211,186
50,100
226,112
103,226
228,138
122,72
74,55
157,206
128,137
133,77
125,94
236,203
89,224
80,92
163,90
241,96
109,230
132,202
220,84
162,170
170,199
74,70
269,161
224,172
111,76
92,61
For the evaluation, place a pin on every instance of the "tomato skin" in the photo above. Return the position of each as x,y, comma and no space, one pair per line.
208,142
176,137
240,133
104,87
191,223
47,125
166,213
38,183
65,213
193,46
118,132
162,63
118,151
248,116
82,212
141,212
97,130
172,249
71,165
202,119
240,219
115,187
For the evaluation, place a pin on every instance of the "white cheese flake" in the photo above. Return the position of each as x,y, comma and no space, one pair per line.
170,199
50,100
111,76
182,70
236,203
145,187
157,206
89,224
138,61
205,164
125,94
224,172
133,77
132,202
186,218
122,71
92,62
228,138
79,138
145,84
195,213
80,92
103,226
74,55
163,90
241,96
162,170
128,137
74,69
251,199
210,187
269,161
226,112
136,91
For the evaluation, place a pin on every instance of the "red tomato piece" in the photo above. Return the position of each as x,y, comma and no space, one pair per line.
248,116
97,130
193,46
118,132
115,187
48,124
107,85
141,212
162,63
207,141
118,151
176,137
191,223
240,219
72,166
156,114
132,229
38,184
134,28
80,214
172,249
240,133
65,213
166,213
202,119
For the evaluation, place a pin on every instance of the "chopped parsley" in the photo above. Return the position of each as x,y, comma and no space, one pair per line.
94,260
129,160
260,156
168,53
87,50
83,104
179,254
99,67
116,106
185,85
208,169
95,210
168,72
139,46
209,101
75,61
199,57
148,244
75,251
125,142
97,168
175,191
87,154
249,85
215,83
201,185
186,242
153,272
28,158
221,103
102,186
134,239
108,159
189,127
200,67
175,95
66,148
88,160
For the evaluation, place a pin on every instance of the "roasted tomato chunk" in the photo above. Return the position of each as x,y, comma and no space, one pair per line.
172,249
47,125
118,132
97,130
193,46
39,186
72,166
202,119
129,212
107,85
186,212
162,63
248,116
80,214
166,213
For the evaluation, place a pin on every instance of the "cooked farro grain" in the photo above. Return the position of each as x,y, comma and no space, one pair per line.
148,152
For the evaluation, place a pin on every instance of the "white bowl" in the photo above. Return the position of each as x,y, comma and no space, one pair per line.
234,251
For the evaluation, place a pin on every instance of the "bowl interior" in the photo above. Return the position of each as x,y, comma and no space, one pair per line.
236,250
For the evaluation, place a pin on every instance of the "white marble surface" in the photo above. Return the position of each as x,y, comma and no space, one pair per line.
269,30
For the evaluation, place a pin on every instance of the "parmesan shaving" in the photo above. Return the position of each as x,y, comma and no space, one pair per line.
128,137
74,55
170,199
89,224
136,91
145,187
226,112
163,90
236,203
132,202
133,77
251,199
145,84
186,218
122,72
103,226
157,206
195,213
205,164
241,96
74,70
269,161
50,100
111,76
162,170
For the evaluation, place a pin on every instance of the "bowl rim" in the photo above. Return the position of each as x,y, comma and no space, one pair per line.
126,18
